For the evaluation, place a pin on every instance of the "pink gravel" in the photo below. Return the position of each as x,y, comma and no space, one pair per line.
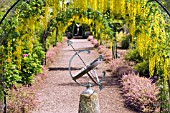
60,94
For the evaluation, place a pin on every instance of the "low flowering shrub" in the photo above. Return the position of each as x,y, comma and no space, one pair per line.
121,53
95,43
65,39
115,63
21,100
40,77
59,44
102,49
90,38
107,53
140,93
121,70
53,51
50,56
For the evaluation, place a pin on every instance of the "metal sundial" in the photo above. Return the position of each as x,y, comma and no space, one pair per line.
87,69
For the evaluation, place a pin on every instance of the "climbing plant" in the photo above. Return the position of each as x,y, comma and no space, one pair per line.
21,36
36,24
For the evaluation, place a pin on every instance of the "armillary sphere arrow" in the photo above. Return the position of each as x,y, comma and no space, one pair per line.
87,69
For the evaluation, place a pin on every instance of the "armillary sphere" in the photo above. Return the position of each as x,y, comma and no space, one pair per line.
87,69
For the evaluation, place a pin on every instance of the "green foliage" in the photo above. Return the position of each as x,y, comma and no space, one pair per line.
143,68
126,42
30,66
38,50
12,29
11,75
133,55
1,93
4,6
31,17
166,3
163,95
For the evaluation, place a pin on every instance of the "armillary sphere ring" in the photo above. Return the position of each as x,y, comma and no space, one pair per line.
88,69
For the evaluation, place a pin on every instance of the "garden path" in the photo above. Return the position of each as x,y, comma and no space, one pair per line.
60,94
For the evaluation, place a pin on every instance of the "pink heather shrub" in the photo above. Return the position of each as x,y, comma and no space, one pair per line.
41,76
59,44
107,53
21,100
102,49
140,93
115,63
64,39
50,57
52,52
24,99
55,49
122,53
90,38
124,70
95,43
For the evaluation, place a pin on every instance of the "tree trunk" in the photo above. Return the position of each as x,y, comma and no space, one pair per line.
169,88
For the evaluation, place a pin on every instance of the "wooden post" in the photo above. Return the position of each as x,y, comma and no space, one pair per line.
89,102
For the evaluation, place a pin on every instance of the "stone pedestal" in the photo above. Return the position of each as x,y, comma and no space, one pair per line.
89,103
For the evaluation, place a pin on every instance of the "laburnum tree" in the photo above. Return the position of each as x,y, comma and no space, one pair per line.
33,25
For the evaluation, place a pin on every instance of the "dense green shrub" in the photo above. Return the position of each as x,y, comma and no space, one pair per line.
125,43
11,75
141,65
30,66
143,68
133,55
38,50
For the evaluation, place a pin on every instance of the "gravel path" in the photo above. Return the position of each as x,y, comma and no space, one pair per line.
60,94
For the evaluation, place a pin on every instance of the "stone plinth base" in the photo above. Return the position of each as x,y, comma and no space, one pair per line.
89,103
